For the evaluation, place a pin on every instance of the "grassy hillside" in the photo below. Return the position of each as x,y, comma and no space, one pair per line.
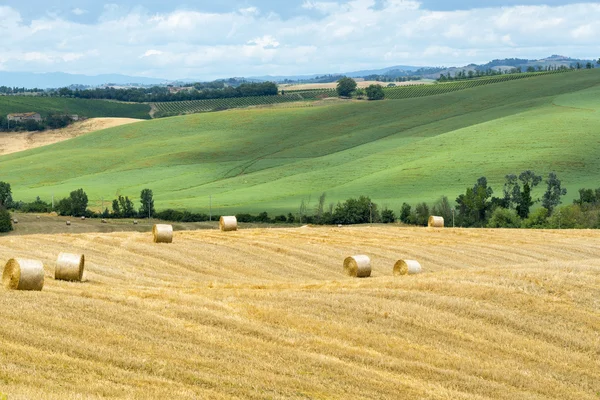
269,314
82,107
395,151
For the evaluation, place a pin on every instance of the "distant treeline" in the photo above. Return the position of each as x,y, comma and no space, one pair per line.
478,73
217,90
52,121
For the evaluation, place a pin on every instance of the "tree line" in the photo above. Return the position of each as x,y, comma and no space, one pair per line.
164,94
51,121
476,207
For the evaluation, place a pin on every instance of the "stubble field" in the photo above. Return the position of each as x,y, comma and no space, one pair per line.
268,313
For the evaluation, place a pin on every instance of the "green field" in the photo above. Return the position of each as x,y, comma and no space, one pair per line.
394,151
171,108
82,107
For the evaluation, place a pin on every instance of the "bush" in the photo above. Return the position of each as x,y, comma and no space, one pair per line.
280,219
388,217
568,217
5,220
538,219
504,218
375,92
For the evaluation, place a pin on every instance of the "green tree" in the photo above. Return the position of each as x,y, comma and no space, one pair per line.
5,195
405,213
63,207
537,219
79,202
422,214
356,211
388,216
126,207
360,93
442,208
375,92
5,220
116,209
553,193
345,87
504,218
147,201
525,202
475,204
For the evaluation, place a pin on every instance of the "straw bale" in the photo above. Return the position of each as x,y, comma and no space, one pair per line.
436,222
103,221
135,222
15,221
69,267
228,224
83,218
162,233
358,266
23,274
68,222
407,267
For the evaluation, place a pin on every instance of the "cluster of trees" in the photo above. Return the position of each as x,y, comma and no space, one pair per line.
52,121
347,87
6,90
477,208
163,94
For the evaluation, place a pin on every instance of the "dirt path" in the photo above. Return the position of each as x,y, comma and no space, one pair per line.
13,142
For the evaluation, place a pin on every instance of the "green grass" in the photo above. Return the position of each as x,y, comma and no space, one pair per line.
394,151
82,107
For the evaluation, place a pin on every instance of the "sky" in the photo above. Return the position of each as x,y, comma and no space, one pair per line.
207,40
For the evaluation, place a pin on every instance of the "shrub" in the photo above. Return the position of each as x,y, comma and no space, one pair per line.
5,220
538,219
504,218
388,217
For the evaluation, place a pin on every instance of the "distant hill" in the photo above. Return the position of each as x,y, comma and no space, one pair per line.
61,79
354,74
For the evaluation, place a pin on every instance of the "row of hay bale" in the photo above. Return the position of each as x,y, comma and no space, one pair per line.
25,274
360,267
163,233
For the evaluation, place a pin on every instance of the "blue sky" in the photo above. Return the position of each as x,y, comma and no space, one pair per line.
209,39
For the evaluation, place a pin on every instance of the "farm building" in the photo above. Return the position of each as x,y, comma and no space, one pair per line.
24,117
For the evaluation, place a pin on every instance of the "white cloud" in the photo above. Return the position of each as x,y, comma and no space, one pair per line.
151,53
79,11
341,36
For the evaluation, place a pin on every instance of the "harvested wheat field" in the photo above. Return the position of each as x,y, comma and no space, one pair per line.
13,142
270,313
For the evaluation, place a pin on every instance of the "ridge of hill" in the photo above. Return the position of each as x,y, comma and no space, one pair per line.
82,107
272,159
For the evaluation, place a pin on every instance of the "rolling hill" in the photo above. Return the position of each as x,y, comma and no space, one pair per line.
394,151
82,107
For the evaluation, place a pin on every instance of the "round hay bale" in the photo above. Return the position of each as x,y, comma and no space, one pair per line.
37,217
15,221
436,222
135,222
104,221
162,233
358,266
228,224
68,223
69,267
82,218
407,267
22,274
